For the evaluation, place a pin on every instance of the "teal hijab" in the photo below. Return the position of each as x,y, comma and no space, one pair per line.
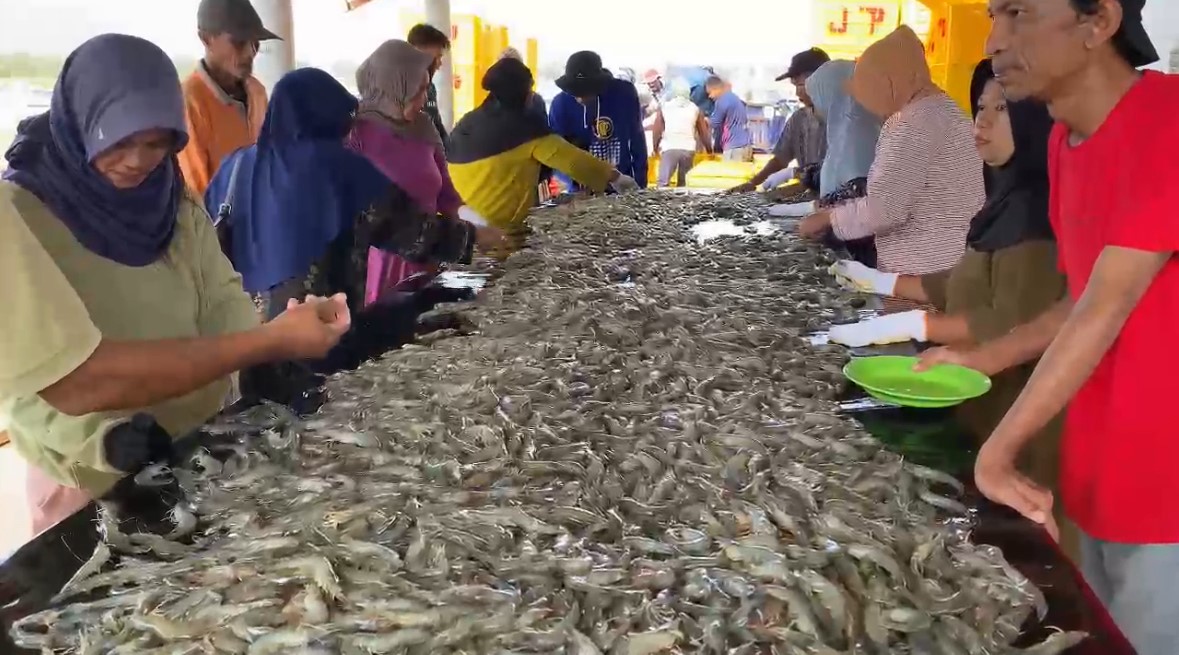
852,131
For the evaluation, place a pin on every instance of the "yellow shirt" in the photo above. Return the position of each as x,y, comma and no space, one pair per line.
502,188
60,296
217,126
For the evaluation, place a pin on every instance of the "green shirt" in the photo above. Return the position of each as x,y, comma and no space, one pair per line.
67,296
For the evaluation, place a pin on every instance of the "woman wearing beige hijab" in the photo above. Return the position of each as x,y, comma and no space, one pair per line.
398,137
925,183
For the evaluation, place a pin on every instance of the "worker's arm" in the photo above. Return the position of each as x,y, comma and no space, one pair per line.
784,149
52,348
1119,279
896,181
703,143
717,123
582,167
657,128
1020,346
196,164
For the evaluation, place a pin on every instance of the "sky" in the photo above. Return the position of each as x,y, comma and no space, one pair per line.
637,33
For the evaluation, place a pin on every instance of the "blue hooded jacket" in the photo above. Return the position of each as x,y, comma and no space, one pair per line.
610,128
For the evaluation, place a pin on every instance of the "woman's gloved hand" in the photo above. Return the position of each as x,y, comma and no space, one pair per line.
471,216
133,445
778,179
891,328
792,210
855,276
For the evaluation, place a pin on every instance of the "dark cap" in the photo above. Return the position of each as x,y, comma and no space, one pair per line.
234,17
584,75
804,63
1131,38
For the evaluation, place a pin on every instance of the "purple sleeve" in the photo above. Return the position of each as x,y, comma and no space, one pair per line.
449,199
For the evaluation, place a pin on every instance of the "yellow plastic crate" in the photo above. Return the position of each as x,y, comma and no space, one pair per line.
958,32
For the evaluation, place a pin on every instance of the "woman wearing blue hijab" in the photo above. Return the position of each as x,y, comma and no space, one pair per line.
852,133
157,320
298,211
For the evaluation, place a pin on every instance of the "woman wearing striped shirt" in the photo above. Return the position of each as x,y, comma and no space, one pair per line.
925,183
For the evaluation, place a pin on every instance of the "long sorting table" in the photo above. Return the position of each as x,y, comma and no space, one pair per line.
30,577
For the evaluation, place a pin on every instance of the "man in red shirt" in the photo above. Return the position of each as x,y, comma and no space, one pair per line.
1105,348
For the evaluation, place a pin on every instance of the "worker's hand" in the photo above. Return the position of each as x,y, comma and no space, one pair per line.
744,187
778,179
625,184
854,276
890,328
490,239
998,480
309,329
140,441
815,225
946,355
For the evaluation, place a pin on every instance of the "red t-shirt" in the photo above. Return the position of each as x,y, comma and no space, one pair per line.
1120,457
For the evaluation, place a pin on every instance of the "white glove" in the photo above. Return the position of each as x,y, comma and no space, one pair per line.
625,184
778,179
792,210
465,213
857,277
890,328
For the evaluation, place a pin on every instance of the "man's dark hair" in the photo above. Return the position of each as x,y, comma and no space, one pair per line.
427,36
1089,8
713,81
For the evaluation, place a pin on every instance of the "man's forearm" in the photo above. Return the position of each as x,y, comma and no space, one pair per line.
1026,342
124,375
1082,341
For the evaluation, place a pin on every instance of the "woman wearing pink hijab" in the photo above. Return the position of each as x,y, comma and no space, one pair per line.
397,136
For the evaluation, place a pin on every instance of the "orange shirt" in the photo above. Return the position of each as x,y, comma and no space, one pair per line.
218,124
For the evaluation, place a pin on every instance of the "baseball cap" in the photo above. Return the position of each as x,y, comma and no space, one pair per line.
1131,37
234,17
804,63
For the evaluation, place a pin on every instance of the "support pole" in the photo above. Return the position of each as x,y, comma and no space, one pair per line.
438,15
275,58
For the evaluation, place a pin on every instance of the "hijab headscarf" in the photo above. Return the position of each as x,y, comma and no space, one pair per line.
298,188
112,87
504,121
1016,209
391,76
891,74
852,131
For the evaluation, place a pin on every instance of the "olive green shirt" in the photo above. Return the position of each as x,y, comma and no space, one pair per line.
996,292
67,299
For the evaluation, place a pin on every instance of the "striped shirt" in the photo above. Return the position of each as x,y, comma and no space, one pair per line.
924,187
803,139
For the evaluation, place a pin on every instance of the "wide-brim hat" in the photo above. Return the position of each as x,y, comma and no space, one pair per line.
584,75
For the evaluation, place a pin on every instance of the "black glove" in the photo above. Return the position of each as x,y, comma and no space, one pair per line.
810,178
288,383
133,445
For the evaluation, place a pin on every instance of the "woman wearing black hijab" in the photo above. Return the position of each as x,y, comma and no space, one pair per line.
496,152
1007,277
